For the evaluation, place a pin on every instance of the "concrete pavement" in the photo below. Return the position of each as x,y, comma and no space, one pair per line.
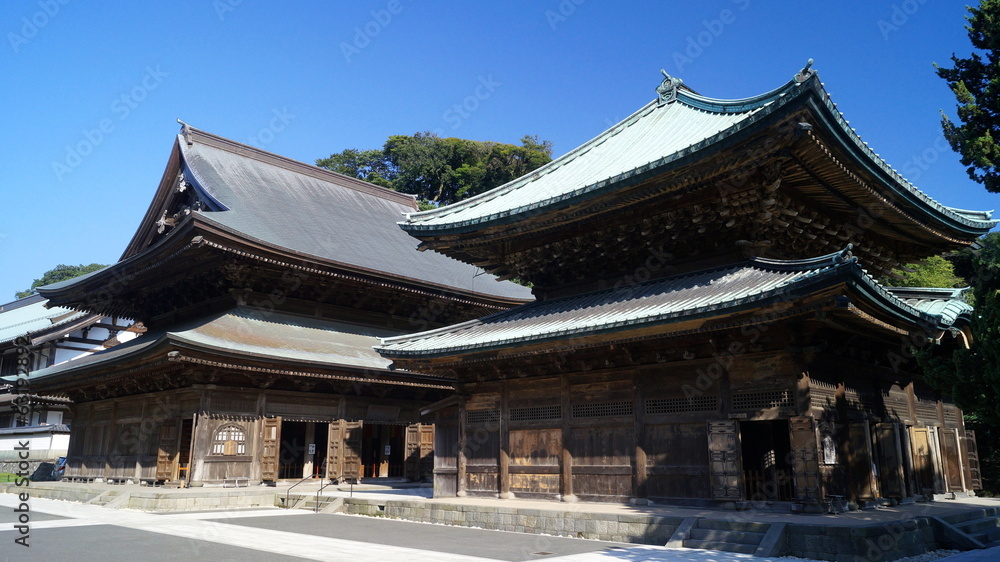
78,532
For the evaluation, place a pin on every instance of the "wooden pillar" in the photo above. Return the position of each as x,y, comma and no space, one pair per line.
503,467
639,408
566,470
460,483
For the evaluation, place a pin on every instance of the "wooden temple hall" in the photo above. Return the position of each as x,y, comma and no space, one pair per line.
263,284
708,324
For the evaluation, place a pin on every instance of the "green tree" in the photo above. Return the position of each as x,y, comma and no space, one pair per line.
976,83
932,272
438,170
59,273
972,376
368,165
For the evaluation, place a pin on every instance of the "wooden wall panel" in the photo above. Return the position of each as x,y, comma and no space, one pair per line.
602,461
534,460
677,460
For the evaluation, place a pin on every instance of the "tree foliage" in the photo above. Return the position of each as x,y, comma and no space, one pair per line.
975,82
932,272
59,273
438,170
972,376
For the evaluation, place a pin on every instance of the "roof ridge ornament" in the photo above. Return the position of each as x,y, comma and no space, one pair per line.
845,255
186,131
806,73
667,90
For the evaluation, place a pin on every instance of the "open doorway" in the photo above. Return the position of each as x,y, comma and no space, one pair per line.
292,452
382,451
765,448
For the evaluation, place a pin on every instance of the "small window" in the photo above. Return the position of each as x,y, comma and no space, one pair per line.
229,440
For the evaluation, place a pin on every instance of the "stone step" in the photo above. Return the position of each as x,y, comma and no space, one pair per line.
716,535
724,546
993,535
742,526
959,518
978,525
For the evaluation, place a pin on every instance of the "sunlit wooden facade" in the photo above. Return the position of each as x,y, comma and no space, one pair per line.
708,325
264,284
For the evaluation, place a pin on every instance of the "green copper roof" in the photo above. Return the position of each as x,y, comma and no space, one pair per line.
669,131
744,286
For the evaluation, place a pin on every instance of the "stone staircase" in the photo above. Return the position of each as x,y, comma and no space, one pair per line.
744,537
982,525
308,502
111,499
729,536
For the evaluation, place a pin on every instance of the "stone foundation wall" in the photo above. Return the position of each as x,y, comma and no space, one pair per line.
641,529
869,543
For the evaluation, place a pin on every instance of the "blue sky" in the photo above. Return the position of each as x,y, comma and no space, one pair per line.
91,93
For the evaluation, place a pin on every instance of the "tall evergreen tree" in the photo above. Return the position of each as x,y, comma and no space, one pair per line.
976,83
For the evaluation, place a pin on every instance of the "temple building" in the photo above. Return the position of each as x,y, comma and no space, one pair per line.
709,325
264,284
43,336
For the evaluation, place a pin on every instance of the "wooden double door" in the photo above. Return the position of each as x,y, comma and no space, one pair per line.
353,453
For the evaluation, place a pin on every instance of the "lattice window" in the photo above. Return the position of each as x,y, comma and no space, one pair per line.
951,416
536,413
483,416
230,440
602,410
682,405
927,411
762,399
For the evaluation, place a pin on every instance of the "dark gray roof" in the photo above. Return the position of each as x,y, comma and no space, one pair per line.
666,301
313,211
250,333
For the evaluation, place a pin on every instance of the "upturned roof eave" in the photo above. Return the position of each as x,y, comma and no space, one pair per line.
957,220
237,236
777,102
198,228
849,273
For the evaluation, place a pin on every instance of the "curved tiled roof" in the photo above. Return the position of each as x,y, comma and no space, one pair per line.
29,315
949,304
306,209
654,136
665,301
250,333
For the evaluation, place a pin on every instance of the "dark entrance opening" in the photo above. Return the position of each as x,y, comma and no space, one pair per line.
184,449
382,450
292,452
765,448
321,439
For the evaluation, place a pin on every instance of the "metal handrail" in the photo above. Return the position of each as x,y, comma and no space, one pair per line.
289,490
321,488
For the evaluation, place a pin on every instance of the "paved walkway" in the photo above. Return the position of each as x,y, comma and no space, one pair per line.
78,532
